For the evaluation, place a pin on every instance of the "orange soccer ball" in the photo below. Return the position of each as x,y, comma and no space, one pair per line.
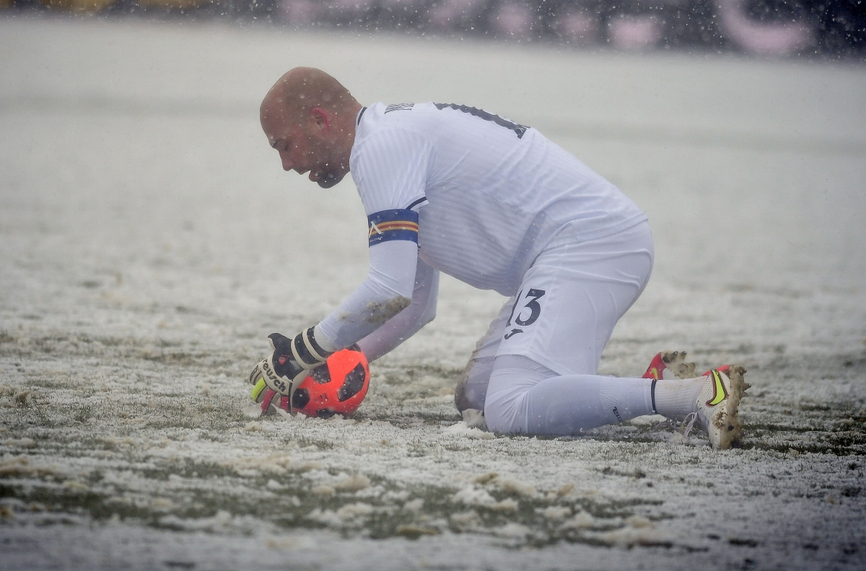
337,387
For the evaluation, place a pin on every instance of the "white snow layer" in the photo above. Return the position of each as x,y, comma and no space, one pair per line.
149,242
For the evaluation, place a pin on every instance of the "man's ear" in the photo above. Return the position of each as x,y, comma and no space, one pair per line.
320,117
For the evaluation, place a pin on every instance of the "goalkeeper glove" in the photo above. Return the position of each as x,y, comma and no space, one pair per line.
282,372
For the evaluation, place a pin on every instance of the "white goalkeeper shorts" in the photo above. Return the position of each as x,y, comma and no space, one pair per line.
563,315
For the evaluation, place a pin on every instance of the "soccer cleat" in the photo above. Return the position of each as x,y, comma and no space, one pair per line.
718,405
673,361
723,369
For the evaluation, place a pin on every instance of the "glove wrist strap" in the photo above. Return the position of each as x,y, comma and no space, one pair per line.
307,351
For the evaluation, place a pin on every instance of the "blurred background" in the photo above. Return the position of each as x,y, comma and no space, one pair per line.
833,29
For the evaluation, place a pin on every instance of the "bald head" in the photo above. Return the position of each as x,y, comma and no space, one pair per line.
309,117
302,89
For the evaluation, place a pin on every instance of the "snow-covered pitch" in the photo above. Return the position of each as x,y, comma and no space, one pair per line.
149,242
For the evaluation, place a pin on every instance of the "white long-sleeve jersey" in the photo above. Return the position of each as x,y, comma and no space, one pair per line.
456,189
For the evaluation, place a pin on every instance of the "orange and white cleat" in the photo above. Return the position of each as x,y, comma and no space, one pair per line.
673,361
718,406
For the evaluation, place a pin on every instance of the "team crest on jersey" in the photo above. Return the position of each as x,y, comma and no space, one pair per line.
399,107
393,225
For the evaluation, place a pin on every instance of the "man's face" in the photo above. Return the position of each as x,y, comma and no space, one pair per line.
304,146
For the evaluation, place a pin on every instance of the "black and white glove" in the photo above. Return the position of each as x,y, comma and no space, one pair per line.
282,372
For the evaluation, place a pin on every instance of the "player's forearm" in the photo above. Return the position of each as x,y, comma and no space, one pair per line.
409,321
386,291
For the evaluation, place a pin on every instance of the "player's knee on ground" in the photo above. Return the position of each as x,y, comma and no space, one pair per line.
471,389
506,409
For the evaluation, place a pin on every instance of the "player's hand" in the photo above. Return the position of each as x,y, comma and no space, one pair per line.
271,389
284,363
301,351
275,378
267,397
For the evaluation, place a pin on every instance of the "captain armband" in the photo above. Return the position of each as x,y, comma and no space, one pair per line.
393,225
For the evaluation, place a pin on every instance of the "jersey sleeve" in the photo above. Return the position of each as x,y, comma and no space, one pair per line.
405,324
386,291
390,169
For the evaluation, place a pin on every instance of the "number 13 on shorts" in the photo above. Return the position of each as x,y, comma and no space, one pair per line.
525,312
